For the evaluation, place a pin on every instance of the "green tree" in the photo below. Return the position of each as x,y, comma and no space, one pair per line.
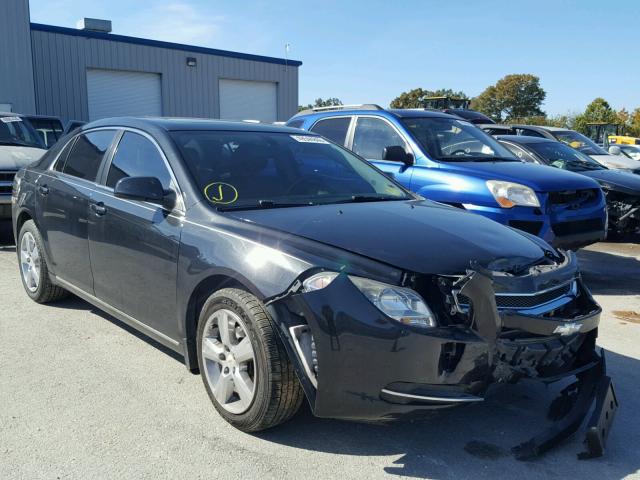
598,111
417,98
329,102
514,96
633,127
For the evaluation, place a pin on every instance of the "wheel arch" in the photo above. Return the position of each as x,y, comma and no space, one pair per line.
223,278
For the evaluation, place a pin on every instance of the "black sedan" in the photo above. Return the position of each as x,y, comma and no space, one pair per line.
282,265
622,189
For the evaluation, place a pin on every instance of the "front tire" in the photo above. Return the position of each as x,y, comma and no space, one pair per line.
34,271
243,364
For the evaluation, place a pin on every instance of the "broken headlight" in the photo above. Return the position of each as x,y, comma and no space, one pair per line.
402,304
509,194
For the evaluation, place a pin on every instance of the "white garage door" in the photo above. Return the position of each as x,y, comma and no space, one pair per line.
114,93
247,100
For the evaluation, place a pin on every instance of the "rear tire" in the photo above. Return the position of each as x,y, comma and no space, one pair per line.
276,393
34,271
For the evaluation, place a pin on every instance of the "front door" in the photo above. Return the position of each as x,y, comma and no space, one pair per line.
370,138
134,244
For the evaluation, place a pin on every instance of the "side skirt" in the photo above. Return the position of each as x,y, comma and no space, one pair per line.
129,320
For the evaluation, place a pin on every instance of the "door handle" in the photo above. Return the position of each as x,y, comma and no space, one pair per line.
43,190
98,208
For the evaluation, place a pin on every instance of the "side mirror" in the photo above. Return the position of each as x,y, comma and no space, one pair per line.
397,153
615,150
147,189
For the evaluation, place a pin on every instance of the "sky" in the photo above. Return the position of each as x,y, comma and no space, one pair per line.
370,51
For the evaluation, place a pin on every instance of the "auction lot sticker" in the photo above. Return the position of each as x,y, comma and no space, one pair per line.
221,193
308,139
10,119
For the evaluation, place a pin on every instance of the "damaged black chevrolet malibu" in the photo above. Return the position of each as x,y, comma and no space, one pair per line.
282,266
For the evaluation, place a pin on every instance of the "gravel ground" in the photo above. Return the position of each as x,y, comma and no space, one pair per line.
84,396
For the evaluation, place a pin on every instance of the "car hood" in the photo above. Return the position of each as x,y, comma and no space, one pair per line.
616,180
617,161
418,236
15,157
541,178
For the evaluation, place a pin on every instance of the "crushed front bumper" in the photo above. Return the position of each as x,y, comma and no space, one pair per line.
367,366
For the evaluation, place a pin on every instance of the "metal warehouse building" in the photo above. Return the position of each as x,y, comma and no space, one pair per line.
89,73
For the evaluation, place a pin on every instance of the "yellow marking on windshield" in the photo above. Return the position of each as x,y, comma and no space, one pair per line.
221,193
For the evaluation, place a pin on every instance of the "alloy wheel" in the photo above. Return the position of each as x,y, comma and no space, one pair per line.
30,261
229,361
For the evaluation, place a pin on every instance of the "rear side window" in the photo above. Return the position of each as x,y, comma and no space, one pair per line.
62,158
520,153
372,136
87,154
335,129
136,156
49,129
529,133
295,123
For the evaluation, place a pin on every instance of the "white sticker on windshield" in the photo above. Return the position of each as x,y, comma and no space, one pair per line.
10,119
308,139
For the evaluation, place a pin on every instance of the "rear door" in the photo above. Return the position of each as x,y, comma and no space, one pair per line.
62,209
371,136
335,129
134,244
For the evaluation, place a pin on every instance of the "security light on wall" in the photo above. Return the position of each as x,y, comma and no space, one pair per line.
191,62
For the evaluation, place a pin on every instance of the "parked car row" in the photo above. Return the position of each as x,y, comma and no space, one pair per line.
282,266
621,189
449,160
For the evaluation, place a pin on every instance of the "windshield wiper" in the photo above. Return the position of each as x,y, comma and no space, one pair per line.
370,198
264,204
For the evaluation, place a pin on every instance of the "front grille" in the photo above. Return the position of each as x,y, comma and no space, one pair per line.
520,301
6,182
531,227
576,197
578,226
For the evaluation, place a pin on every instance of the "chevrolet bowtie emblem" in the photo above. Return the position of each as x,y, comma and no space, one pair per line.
568,328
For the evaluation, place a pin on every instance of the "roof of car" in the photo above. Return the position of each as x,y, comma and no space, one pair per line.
417,113
397,112
499,126
541,127
524,139
171,124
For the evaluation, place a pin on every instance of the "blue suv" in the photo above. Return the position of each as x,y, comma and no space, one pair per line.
447,159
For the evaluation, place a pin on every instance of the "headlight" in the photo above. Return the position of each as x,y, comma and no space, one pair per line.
402,304
509,194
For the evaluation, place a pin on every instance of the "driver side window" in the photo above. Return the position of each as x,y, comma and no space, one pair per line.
372,136
136,156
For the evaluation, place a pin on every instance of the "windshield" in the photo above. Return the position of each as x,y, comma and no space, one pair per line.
13,131
451,140
631,151
241,170
579,142
562,156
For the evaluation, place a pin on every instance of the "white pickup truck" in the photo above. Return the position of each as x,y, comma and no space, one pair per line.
20,145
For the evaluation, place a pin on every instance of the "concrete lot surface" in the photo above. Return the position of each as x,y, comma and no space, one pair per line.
83,396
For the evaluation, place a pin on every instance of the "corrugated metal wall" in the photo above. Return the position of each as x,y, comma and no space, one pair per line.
16,66
61,61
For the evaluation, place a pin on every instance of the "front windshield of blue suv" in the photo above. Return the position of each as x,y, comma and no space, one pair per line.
453,140
241,170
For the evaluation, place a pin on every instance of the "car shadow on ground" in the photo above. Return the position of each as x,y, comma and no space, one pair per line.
610,274
7,244
475,441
